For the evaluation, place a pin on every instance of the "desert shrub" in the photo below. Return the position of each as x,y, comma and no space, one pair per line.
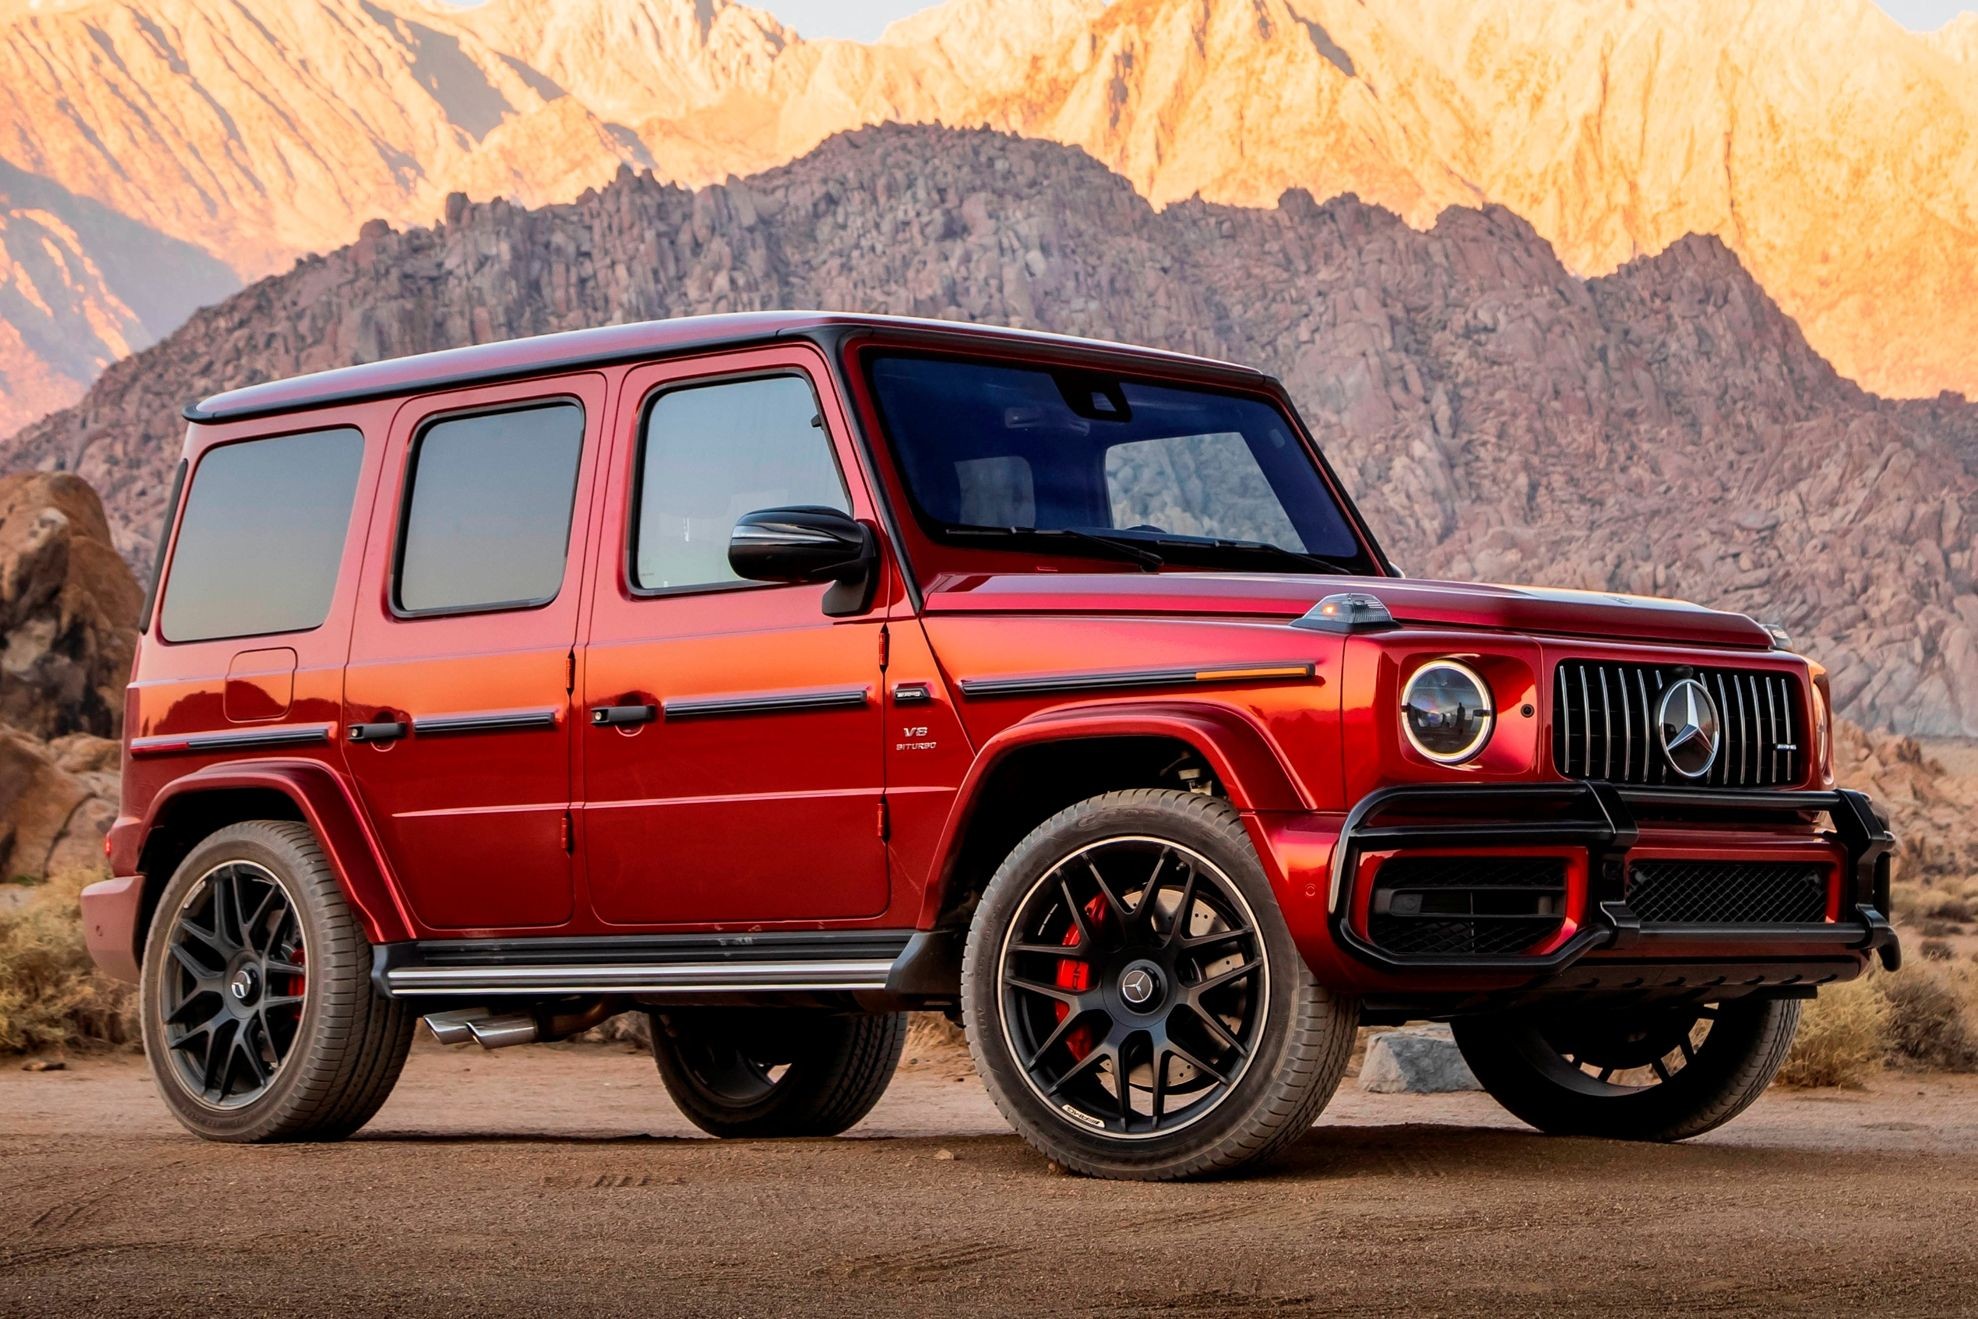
1950,909
1931,1017
50,994
1936,929
1841,1037
1934,950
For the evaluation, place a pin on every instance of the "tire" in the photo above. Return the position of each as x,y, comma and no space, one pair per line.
1057,1014
1660,1074
259,1018
720,1065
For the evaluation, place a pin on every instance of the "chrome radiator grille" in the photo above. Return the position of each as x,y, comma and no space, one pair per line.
1605,724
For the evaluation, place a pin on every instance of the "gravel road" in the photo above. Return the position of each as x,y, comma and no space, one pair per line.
558,1180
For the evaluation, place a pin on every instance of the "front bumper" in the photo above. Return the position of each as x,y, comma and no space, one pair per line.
1608,821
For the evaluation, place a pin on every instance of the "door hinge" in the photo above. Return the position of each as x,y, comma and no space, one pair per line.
569,833
885,821
570,672
885,647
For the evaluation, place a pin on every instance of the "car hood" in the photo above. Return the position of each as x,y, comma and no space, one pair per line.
1594,614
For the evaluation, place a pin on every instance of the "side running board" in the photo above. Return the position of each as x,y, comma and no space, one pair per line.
900,961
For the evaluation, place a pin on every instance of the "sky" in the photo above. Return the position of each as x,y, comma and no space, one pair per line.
1919,15
858,20
863,20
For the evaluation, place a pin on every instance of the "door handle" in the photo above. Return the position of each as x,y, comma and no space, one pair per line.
622,716
385,730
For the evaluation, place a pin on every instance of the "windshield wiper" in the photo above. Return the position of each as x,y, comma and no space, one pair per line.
1118,547
1112,546
1265,549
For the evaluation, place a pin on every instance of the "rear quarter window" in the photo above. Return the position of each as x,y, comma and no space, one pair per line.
262,536
487,523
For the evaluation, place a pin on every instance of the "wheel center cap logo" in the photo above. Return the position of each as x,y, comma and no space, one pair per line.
1690,732
1137,986
242,985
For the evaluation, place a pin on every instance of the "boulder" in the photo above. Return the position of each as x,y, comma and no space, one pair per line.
56,802
68,609
1416,1060
68,615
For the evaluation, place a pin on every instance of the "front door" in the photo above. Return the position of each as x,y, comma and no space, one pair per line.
457,697
733,769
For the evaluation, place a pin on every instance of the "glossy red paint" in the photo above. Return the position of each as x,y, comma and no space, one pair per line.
665,803
1426,604
850,811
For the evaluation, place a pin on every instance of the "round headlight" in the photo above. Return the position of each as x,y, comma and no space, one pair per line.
1446,712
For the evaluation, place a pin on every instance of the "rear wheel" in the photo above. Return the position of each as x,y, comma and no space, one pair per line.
1647,1073
1134,1001
742,1072
259,1018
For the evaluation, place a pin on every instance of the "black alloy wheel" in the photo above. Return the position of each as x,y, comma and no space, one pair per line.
261,1021
773,1072
234,992
1605,1056
1631,1071
1134,986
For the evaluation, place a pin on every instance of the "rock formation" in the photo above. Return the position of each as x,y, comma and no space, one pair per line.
1931,807
68,609
1661,429
68,613
1821,142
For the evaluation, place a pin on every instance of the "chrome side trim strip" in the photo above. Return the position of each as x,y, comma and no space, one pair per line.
1121,679
680,978
493,721
711,707
287,735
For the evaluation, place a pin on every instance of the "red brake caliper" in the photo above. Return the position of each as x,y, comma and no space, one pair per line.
1077,977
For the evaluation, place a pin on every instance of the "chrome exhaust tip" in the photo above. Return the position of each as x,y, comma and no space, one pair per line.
501,1032
453,1027
492,1030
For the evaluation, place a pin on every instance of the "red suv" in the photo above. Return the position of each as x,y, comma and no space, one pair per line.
776,674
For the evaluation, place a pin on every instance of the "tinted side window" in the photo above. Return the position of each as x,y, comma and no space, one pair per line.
488,521
714,452
262,536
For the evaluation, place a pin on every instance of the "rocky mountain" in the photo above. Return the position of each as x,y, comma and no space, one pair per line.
1665,428
81,286
1827,147
68,613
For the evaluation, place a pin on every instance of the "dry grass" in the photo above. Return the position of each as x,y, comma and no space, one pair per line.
51,997
1947,907
1842,1036
1933,1016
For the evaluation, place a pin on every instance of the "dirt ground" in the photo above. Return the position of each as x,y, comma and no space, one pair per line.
558,1179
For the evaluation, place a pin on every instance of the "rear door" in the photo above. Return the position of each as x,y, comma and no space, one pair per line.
457,696
740,779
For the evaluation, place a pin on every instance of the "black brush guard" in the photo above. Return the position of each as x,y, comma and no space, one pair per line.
1603,818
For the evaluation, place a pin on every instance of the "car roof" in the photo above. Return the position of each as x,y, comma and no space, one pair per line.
571,349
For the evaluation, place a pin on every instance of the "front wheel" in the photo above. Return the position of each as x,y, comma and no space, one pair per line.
259,1017
1133,998
1646,1072
762,1072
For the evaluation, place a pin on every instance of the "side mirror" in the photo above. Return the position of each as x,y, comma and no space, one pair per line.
808,544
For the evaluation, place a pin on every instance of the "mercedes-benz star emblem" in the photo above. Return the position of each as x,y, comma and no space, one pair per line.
1690,735
1137,986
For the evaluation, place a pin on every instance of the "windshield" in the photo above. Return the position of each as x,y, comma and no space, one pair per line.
1108,467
